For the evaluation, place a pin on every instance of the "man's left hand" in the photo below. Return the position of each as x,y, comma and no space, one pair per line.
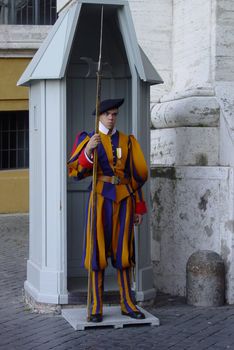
138,218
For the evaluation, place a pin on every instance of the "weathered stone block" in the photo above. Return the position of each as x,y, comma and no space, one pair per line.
185,146
205,277
190,111
192,209
193,42
23,37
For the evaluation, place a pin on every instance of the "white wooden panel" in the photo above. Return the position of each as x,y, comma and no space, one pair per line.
36,178
53,173
46,268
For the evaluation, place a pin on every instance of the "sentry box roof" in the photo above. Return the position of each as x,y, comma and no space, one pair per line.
51,60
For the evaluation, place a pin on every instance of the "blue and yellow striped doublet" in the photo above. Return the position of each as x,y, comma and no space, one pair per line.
118,155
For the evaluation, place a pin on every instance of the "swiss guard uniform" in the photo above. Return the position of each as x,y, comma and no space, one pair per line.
121,173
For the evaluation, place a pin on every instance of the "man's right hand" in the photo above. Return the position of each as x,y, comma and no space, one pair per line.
92,144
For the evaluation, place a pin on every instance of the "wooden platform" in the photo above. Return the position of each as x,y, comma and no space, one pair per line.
111,317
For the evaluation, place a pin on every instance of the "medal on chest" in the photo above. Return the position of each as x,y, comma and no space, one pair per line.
119,152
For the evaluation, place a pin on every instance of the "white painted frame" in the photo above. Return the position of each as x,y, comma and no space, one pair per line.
47,269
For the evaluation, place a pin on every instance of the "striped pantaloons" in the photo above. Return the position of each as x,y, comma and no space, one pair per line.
124,282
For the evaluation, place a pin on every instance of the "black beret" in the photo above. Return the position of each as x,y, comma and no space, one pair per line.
106,105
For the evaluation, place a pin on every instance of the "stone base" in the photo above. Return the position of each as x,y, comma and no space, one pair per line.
77,317
42,308
192,210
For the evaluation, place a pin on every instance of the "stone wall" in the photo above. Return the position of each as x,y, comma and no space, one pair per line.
192,209
224,70
153,24
193,42
192,146
21,40
224,77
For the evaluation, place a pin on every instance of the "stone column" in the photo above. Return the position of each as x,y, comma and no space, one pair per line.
153,24
192,145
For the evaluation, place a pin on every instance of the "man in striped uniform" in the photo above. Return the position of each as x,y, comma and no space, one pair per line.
121,173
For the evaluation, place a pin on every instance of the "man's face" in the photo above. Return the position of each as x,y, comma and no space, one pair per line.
108,118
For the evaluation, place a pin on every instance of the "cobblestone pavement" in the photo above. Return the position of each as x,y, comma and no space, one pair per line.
182,326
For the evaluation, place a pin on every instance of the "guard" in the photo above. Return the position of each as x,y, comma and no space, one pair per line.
119,204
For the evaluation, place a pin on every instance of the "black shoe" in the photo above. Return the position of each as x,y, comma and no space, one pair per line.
134,314
96,318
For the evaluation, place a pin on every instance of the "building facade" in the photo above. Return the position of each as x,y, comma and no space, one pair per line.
23,26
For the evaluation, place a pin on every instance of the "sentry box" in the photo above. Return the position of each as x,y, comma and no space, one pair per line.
62,82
